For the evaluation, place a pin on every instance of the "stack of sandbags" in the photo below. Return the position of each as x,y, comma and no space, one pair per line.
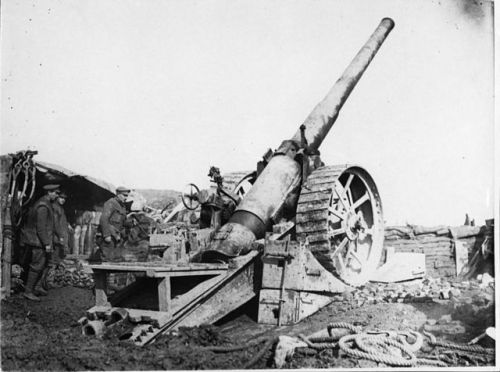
437,243
69,273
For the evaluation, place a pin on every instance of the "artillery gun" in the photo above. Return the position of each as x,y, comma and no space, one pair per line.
316,229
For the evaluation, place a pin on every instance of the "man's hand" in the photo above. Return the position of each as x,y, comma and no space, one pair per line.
48,248
118,238
107,239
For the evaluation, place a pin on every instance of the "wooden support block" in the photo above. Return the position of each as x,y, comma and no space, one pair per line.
164,294
100,278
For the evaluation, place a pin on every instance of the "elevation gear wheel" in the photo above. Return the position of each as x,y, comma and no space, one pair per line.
339,212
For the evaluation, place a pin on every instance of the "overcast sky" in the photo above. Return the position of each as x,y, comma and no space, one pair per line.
150,94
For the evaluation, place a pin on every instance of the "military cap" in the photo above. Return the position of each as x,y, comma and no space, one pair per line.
51,187
63,194
122,190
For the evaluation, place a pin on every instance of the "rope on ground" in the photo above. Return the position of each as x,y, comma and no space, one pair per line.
471,357
349,326
376,346
431,362
472,348
375,356
323,339
415,345
317,345
271,341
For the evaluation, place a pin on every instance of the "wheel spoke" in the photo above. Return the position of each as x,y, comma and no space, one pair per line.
349,180
338,231
354,255
347,188
341,195
337,213
340,247
360,201
349,196
341,263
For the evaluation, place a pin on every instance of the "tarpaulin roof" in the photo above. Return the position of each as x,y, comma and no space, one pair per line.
48,167
84,192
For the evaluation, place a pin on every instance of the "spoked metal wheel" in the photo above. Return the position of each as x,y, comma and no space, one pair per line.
339,212
190,197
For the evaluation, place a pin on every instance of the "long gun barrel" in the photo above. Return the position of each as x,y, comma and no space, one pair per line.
321,119
277,186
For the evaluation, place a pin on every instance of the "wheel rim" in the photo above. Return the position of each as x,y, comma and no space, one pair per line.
190,197
355,226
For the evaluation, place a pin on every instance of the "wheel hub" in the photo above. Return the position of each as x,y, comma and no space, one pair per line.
354,223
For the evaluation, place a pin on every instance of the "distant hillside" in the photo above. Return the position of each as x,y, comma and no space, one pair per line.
160,198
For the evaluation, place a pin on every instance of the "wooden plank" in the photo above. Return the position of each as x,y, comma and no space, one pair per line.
188,312
318,237
312,227
135,266
318,197
193,294
165,274
317,216
234,293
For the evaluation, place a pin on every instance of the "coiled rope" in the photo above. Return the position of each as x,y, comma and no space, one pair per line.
376,346
346,344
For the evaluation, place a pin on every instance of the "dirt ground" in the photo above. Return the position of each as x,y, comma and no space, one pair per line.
46,336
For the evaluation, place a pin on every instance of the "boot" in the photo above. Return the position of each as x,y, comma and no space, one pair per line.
30,285
42,282
39,291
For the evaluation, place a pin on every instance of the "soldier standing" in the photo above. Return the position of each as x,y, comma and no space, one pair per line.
61,228
37,235
111,225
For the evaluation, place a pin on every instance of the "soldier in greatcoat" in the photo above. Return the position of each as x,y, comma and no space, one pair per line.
61,229
37,235
112,226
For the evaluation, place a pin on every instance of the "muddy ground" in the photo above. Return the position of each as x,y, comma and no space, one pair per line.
46,335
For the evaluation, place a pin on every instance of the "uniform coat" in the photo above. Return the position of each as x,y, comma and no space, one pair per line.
112,219
61,232
39,227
